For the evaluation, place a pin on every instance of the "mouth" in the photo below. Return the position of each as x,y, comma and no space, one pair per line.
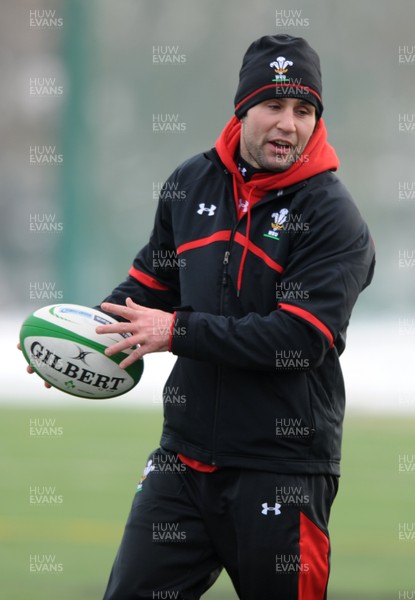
281,146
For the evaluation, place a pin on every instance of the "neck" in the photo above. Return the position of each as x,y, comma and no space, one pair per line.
245,168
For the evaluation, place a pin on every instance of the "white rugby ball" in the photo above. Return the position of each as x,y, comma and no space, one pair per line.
60,344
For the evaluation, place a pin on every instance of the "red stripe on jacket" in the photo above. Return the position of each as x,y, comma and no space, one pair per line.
219,236
147,280
307,316
240,239
224,236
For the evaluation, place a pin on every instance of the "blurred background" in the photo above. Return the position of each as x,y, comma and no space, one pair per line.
83,83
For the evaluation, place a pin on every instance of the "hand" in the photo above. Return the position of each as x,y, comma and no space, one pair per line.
149,329
30,370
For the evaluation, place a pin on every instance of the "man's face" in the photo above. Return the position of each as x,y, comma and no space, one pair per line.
275,132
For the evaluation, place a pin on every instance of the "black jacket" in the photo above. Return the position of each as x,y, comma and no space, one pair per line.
257,382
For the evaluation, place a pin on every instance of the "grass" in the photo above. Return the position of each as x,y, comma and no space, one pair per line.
92,466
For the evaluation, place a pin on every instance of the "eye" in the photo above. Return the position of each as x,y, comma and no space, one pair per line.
304,110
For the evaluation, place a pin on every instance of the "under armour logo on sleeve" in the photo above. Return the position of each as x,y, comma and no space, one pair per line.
210,211
275,509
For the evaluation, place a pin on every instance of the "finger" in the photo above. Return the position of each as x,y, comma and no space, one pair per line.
31,371
121,311
122,345
133,357
130,303
114,328
19,346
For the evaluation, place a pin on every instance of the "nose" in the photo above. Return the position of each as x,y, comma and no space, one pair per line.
285,121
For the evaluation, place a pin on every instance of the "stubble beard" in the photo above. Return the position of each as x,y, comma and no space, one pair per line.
279,164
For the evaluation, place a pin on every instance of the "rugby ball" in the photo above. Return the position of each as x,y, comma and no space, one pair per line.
60,344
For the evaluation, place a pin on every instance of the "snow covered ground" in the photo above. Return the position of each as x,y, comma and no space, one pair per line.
378,367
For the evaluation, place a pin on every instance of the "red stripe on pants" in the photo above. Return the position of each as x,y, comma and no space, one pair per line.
314,560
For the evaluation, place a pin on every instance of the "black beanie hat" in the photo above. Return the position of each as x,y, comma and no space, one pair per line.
279,66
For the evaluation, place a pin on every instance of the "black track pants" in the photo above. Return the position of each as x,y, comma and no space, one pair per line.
268,530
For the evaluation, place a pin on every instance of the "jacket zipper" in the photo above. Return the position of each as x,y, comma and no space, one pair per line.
225,263
225,269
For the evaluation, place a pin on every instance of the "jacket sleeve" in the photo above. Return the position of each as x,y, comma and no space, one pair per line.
153,279
331,263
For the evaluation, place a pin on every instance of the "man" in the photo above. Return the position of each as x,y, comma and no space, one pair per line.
271,254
